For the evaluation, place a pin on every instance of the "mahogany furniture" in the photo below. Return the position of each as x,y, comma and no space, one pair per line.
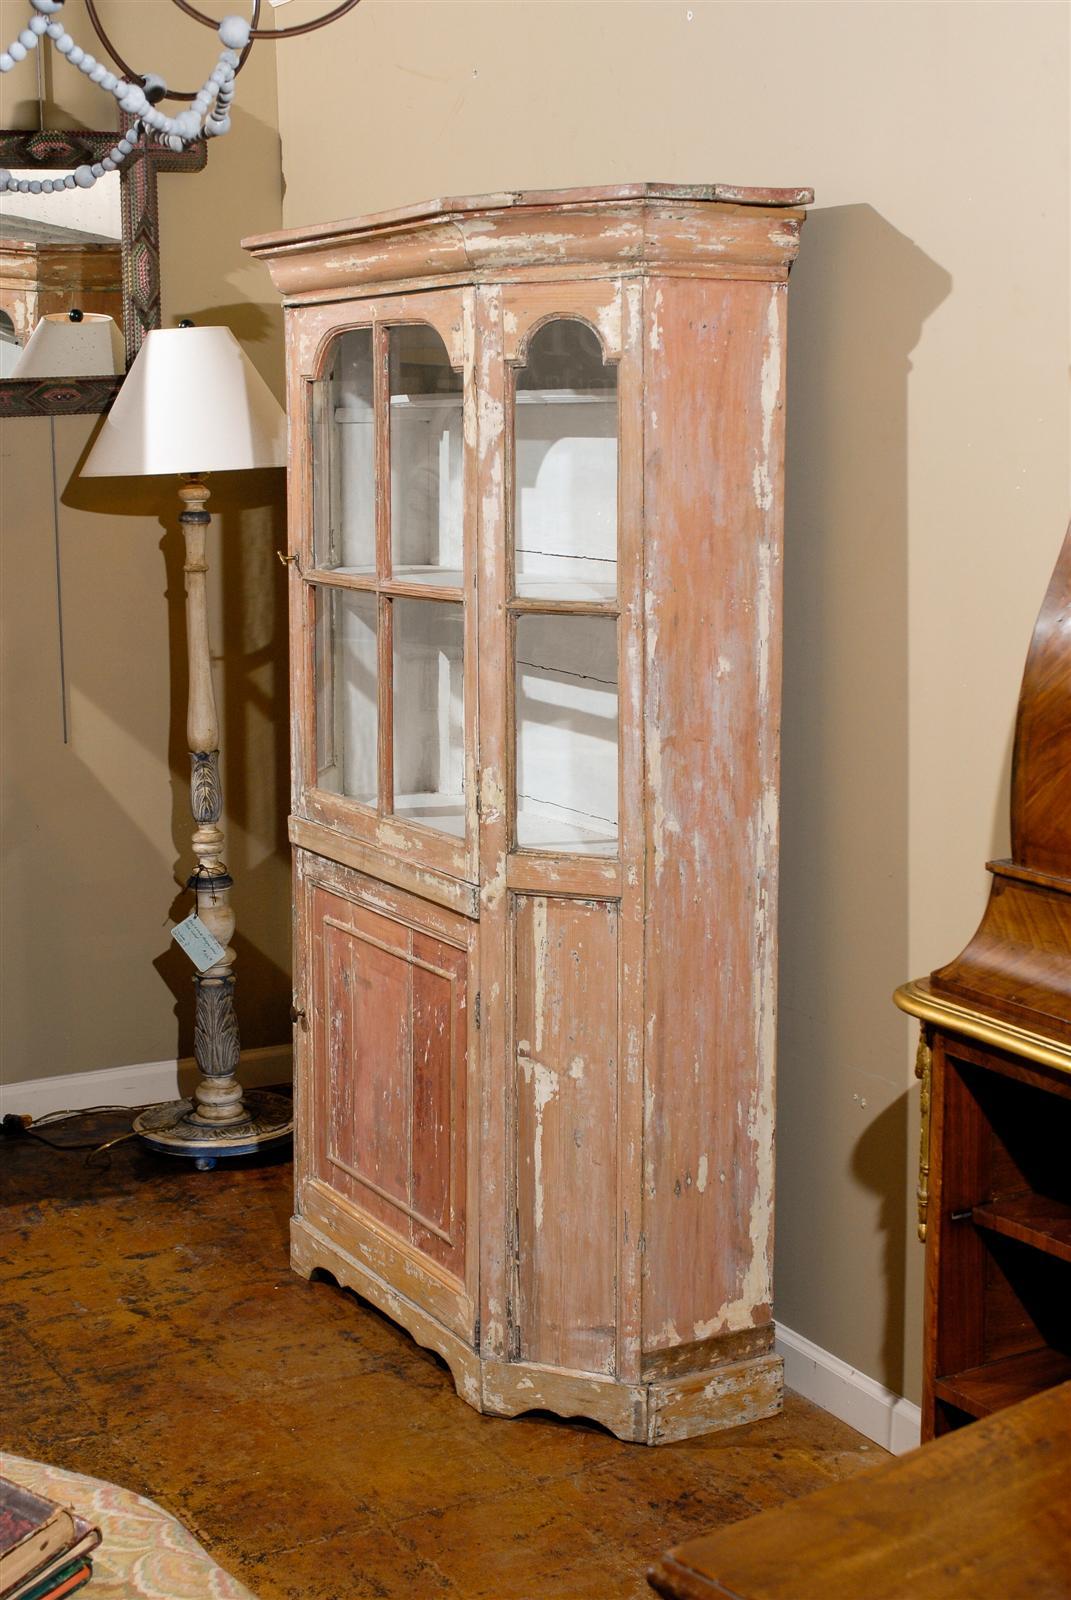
995,1063
986,1511
535,588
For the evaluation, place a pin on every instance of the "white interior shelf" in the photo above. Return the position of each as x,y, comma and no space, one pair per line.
565,469
347,677
567,733
444,812
429,710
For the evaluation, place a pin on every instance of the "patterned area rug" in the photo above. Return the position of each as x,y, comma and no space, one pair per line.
144,1554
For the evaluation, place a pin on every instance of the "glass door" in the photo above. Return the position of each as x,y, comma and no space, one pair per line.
391,472
563,600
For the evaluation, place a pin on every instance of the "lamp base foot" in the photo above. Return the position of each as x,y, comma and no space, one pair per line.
175,1129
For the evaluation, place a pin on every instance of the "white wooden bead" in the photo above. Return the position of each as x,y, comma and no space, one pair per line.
38,26
7,61
49,7
17,51
234,31
28,39
83,177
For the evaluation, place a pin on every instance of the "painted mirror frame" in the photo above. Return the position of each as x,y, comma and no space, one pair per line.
53,149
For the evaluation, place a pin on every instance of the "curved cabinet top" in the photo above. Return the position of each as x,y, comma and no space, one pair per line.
703,230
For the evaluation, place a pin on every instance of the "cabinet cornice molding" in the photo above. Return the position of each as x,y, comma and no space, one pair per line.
710,232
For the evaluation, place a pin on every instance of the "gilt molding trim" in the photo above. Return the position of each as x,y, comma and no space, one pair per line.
919,1001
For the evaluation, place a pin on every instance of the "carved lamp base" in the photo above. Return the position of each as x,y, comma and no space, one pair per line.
175,1129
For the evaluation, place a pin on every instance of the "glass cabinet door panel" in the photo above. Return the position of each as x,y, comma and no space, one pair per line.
567,733
429,713
565,467
343,452
426,443
347,673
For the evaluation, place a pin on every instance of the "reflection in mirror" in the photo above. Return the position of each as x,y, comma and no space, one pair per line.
60,252
43,154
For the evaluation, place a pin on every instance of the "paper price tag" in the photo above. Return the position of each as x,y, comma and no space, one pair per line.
192,935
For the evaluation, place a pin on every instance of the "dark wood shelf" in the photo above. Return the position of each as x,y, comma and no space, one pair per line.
1032,1219
982,1390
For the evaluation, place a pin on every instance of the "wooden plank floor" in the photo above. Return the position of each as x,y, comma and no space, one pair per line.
152,1334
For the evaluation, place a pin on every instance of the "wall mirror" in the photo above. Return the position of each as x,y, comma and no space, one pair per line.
97,250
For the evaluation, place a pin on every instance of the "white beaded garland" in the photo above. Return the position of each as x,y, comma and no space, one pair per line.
208,115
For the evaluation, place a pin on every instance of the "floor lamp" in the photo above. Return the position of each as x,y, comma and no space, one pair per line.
192,404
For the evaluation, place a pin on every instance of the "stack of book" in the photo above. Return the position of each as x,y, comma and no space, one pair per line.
44,1549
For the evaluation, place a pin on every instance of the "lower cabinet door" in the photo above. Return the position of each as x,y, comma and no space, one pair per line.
385,1146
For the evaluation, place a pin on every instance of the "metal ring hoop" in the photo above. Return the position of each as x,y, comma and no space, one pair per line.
137,77
271,33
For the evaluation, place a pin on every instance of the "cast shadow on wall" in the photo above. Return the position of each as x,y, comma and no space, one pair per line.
860,296
248,634
249,512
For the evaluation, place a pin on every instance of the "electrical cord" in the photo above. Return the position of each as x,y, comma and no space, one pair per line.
16,1127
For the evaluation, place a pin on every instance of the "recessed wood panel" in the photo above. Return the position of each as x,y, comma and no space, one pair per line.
389,1063
565,1035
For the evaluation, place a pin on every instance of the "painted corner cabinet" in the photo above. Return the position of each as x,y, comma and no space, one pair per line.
535,590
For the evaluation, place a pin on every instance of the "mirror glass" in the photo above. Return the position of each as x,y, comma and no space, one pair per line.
129,194
59,252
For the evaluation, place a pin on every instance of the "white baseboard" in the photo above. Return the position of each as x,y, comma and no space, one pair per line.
861,1402
145,1083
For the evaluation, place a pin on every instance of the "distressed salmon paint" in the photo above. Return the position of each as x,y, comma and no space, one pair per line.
535,969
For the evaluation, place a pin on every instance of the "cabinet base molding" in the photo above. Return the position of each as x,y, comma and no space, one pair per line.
310,1251
660,1412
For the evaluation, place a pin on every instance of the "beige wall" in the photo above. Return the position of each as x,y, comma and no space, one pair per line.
927,491
96,830
927,466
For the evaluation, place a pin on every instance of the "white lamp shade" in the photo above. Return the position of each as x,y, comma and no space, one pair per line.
192,402
60,348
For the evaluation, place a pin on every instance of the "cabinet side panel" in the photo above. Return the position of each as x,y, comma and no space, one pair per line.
565,955
713,452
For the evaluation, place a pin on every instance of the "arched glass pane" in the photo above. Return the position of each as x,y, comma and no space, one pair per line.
343,458
565,467
566,715
426,441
